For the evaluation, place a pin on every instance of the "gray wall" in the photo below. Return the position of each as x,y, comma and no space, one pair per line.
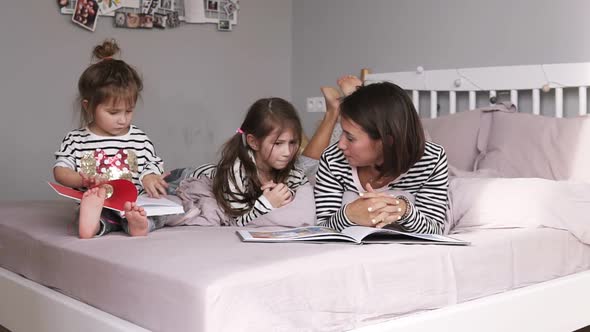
198,83
335,37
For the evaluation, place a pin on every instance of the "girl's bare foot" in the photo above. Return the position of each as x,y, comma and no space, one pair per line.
332,97
348,84
136,219
90,209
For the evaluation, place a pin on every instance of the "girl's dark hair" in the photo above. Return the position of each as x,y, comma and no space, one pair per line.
264,117
386,113
107,78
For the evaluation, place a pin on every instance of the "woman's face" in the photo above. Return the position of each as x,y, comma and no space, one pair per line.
358,148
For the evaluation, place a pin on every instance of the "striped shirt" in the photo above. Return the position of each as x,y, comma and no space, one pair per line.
261,206
80,147
427,180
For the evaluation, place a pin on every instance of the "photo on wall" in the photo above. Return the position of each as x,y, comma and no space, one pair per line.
86,14
224,25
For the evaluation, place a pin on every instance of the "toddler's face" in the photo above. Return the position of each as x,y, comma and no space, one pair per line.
113,117
277,149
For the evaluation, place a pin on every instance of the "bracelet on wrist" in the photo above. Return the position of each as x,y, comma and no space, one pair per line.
408,207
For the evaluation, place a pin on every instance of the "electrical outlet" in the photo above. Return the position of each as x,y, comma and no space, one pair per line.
316,104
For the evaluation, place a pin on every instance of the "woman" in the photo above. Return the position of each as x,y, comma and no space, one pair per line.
382,148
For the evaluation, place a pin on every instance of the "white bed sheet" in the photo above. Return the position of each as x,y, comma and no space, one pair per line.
205,279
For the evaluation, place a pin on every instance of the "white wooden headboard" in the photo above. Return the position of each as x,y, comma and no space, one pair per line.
534,78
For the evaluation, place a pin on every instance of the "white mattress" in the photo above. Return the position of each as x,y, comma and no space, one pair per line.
205,279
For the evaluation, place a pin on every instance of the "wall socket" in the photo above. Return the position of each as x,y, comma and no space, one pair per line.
316,104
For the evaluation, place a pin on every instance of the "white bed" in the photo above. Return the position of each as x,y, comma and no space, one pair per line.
534,286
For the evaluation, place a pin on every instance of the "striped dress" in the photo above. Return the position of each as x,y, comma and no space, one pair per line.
79,150
427,180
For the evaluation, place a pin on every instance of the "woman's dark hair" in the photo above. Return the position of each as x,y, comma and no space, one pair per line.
105,79
264,117
386,113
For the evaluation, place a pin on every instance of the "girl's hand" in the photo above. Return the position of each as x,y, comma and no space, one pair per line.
269,185
154,185
92,181
278,195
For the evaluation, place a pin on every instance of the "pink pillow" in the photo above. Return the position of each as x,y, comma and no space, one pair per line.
527,145
460,135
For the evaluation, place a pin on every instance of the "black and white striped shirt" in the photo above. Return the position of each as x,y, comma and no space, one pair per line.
262,206
80,145
427,180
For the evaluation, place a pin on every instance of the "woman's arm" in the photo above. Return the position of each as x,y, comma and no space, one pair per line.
427,214
321,138
328,192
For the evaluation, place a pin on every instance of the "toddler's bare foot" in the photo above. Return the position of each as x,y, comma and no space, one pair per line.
332,97
90,208
348,84
136,219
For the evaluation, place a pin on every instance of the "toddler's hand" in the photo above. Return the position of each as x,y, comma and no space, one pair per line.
92,181
154,185
278,196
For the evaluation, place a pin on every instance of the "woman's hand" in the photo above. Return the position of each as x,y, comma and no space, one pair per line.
154,185
375,209
385,209
277,194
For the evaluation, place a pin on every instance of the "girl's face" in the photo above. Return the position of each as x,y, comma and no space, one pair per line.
112,118
358,148
276,150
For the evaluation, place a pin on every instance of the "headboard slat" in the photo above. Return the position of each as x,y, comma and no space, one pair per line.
537,101
472,100
514,97
416,100
558,102
493,95
582,101
452,102
433,104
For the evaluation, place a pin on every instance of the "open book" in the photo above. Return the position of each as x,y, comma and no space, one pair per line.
125,191
356,234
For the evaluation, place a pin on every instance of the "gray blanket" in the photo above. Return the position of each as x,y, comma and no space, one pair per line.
201,208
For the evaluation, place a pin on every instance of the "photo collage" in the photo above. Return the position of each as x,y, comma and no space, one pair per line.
149,14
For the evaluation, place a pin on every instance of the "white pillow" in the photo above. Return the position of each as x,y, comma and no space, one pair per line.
521,203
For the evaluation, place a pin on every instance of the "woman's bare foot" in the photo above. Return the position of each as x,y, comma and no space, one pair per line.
348,84
90,209
136,219
332,97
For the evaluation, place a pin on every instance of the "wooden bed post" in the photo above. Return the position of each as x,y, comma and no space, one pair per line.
364,73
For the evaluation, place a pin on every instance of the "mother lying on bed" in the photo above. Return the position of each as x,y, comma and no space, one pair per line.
382,150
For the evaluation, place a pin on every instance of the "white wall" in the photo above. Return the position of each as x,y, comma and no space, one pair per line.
336,37
198,83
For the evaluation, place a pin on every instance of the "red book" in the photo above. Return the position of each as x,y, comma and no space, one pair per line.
123,191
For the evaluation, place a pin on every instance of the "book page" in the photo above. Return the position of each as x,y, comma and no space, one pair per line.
311,233
159,206
382,235
144,201
360,232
